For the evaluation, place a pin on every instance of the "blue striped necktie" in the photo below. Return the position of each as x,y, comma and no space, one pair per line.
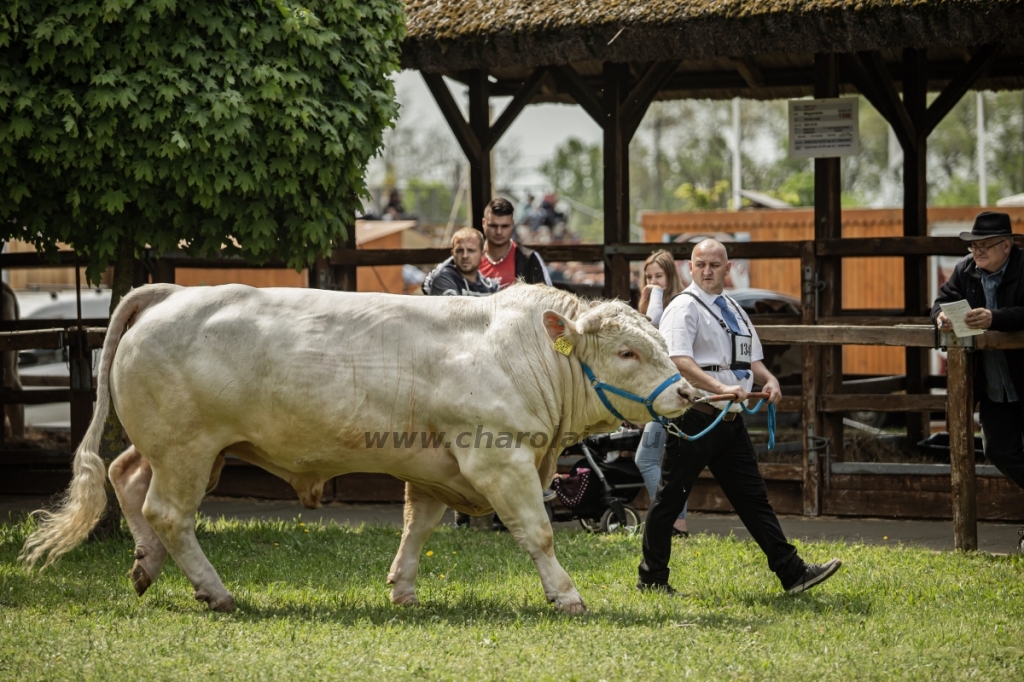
734,327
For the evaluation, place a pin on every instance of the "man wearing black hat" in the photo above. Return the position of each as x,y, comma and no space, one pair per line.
990,280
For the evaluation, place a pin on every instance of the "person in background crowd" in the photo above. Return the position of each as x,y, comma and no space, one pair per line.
991,279
460,275
716,349
504,260
663,285
394,208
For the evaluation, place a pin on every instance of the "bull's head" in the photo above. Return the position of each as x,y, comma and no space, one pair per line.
623,349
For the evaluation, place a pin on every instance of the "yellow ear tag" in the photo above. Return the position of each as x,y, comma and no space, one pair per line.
563,345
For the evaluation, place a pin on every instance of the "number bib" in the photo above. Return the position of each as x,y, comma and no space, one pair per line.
742,349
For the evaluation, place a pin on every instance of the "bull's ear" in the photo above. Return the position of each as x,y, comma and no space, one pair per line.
558,326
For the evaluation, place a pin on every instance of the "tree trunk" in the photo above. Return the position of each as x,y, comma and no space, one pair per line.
113,435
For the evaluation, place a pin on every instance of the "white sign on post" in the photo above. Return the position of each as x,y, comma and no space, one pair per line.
823,127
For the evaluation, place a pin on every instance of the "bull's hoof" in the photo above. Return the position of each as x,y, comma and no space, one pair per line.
141,579
405,599
573,606
225,604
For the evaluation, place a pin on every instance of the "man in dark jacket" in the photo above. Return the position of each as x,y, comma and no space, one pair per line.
460,275
991,280
504,260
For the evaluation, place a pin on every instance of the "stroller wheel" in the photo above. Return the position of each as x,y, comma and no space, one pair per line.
610,524
591,525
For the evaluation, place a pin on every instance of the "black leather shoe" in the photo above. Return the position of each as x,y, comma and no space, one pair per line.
661,588
814,574
676,533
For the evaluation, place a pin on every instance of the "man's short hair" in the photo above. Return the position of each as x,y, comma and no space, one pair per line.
468,233
499,206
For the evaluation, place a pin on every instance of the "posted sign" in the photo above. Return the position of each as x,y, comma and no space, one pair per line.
823,127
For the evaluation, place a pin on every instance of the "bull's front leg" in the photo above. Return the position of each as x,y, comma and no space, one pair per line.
422,514
513,489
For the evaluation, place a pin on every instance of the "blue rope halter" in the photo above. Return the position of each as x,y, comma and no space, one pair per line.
600,387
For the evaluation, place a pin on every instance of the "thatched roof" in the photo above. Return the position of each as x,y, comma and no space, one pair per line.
508,37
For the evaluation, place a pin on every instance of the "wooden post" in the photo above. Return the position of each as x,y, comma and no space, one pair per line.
960,420
164,271
81,386
480,187
915,224
828,225
616,180
345,277
809,394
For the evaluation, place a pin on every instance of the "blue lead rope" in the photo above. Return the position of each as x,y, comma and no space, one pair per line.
600,387
721,415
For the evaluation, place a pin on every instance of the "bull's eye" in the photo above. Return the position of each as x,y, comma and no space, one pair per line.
627,355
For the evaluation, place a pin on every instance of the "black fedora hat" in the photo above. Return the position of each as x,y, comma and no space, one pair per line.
988,225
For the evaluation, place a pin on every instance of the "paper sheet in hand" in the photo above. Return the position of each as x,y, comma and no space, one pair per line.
956,312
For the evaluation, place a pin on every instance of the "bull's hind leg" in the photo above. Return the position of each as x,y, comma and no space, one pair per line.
513,489
178,485
130,475
422,514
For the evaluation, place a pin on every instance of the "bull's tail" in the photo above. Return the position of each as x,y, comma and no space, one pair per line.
83,504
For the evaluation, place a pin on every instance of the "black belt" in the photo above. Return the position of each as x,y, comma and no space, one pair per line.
707,409
714,368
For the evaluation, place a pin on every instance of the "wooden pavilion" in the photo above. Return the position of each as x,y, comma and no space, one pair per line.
615,58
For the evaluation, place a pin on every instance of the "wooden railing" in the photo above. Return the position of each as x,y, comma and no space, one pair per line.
958,403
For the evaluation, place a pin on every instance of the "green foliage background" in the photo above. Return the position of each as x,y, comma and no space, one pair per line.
198,121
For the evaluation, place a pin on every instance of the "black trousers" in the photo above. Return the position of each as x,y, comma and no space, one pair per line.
1003,426
729,454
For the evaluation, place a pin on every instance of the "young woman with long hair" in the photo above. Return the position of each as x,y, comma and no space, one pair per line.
661,284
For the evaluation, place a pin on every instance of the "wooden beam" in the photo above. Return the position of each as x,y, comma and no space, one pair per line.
855,71
788,249
891,246
960,425
882,402
999,341
519,101
751,72
450,110
616,179
915,224
918,337
900,120
959,86
480,178
810,387
643,93
828,224
39,325
569,80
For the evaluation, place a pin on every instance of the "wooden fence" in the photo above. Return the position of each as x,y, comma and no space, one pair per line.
810,488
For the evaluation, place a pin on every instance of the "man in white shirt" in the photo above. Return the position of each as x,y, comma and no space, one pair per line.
716,349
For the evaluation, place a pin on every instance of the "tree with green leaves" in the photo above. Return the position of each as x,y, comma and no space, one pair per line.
242,127
126,124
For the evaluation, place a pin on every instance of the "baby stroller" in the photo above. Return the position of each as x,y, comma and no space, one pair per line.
599,484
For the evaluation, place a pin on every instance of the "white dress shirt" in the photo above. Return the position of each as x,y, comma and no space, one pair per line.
691,331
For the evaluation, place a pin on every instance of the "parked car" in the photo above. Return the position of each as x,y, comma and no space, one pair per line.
50,363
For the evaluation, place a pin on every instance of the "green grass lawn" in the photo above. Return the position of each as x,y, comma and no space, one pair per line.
312,604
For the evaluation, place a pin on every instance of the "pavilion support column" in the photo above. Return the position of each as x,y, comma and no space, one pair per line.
616,179
810,387
480,181
915,224
826,361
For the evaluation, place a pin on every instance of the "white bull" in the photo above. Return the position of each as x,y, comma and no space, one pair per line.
299,381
